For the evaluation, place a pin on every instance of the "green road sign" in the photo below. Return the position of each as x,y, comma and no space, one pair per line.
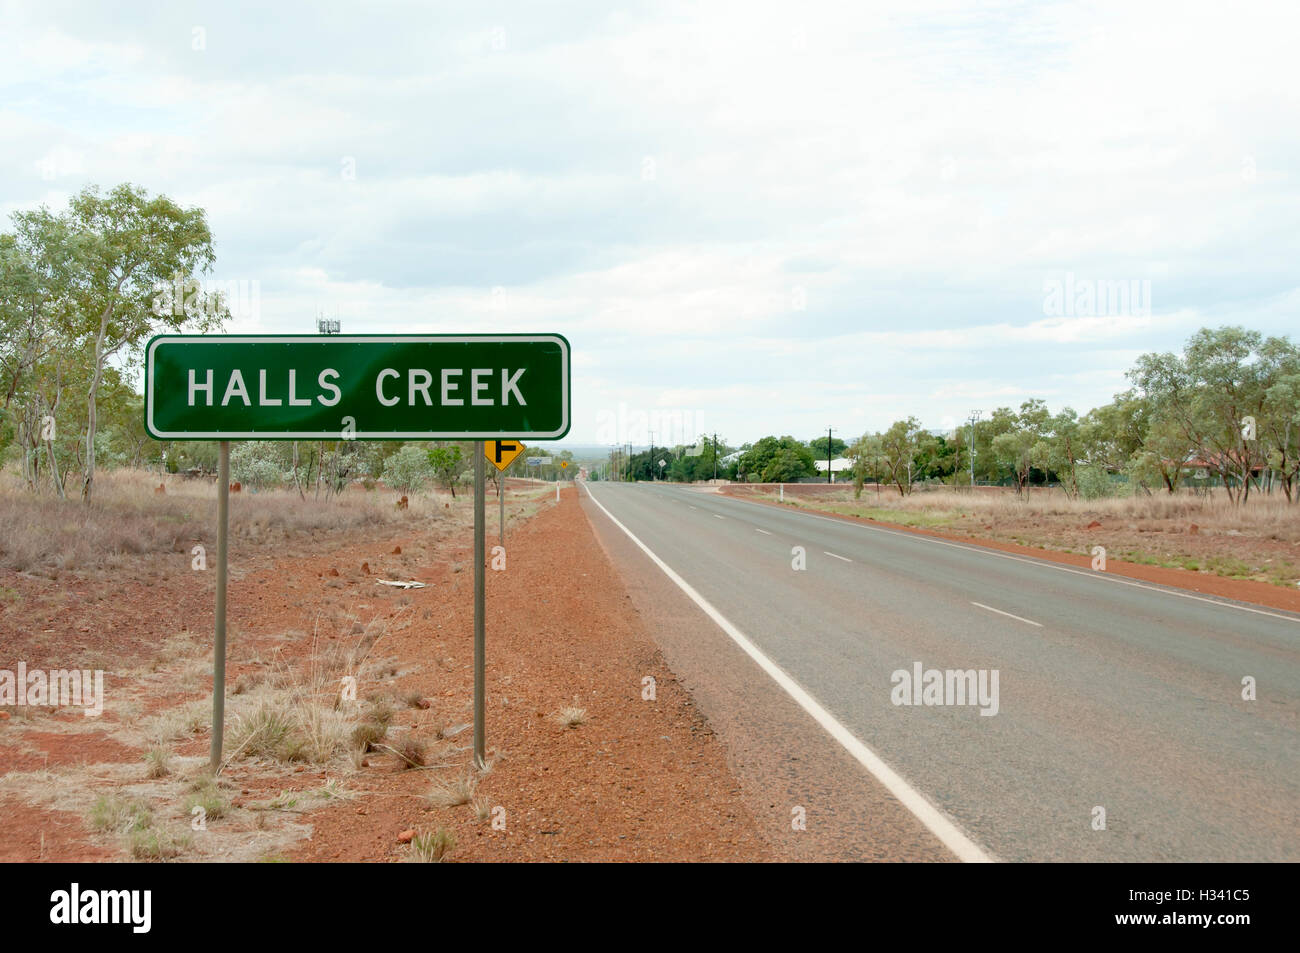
363,387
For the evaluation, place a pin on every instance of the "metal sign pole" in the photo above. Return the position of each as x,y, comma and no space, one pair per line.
479,647
501,499
219,645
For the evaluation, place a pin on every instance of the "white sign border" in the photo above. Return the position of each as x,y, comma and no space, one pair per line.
334,339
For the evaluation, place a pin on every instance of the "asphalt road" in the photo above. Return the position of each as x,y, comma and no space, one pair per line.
1110,694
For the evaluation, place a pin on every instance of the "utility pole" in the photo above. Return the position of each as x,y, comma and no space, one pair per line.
829,478
715,457
974,416
652,456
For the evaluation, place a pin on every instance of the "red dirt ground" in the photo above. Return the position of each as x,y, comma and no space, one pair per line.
639,779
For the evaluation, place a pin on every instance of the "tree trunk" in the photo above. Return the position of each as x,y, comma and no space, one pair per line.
88,484
296,482
54,469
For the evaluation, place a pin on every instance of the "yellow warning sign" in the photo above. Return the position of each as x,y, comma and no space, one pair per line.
501,453
564,464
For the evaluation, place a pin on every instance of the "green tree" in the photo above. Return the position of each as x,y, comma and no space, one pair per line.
1165,452
446,463
1018,447
787,465
1210,392
796,460
1279,427
408,470
256,464
122,247
1059,450
818,446
899,446
1112,433
865,454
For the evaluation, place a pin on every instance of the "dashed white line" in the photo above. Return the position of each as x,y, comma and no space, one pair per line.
1008,614
717,517
833,556
1042,564
938,823
763,531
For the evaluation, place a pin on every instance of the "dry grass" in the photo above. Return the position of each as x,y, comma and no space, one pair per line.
1259,540
431,848
157,843
411,751
114,814
291,725
1269,517
206,793
452,792
373,726
157,763
127,520
571,716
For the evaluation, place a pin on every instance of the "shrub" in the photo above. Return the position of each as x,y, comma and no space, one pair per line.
408,470
1094,483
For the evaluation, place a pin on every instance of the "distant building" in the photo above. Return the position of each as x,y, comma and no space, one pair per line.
839,466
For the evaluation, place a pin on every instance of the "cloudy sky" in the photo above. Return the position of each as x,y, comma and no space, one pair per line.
747,218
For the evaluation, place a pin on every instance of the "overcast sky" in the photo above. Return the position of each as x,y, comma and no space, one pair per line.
747,218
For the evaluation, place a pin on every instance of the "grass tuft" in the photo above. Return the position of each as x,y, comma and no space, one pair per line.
431,848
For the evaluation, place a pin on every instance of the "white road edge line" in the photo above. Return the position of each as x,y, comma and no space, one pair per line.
763,531
983,551
938,823
833,556
1007,614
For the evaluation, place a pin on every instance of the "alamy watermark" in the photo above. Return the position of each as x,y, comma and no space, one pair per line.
128,907
665,427
922,686
1096,298
58,688
196,297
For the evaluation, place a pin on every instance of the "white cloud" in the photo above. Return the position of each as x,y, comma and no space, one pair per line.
848,212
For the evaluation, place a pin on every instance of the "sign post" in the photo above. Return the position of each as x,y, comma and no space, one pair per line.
219,642
356,387
480,644
502,453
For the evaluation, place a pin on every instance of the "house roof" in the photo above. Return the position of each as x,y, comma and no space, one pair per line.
838,465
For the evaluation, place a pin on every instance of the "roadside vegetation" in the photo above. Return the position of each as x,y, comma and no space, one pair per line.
81,293
1256,540
1222,419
